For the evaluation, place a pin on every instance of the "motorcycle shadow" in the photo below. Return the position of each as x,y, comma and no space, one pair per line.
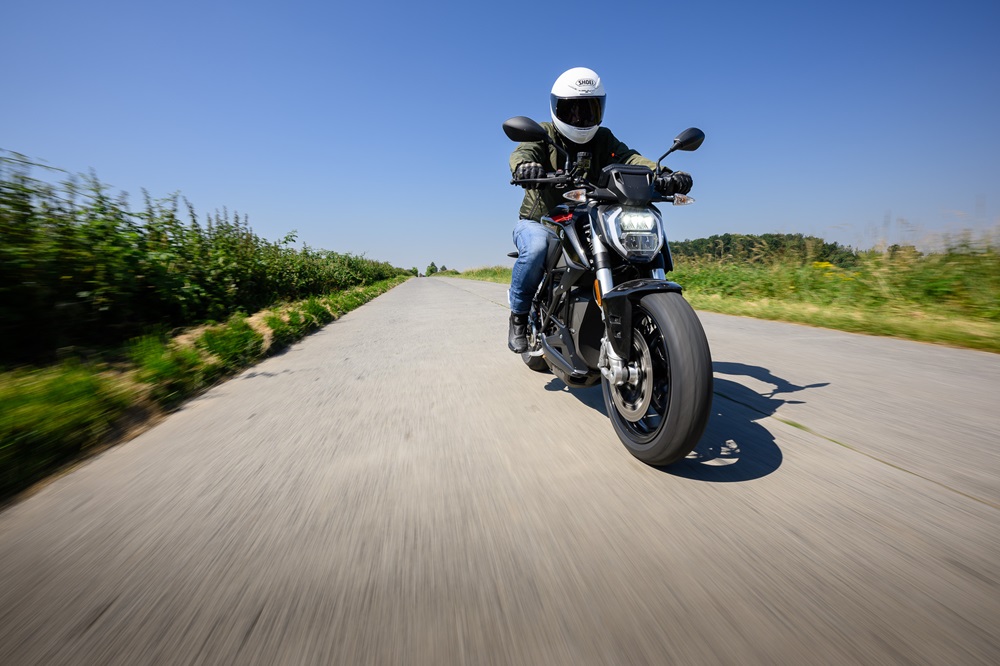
734,447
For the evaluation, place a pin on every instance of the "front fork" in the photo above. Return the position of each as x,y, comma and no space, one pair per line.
614,368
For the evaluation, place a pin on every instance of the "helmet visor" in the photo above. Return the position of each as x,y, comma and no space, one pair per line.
582,112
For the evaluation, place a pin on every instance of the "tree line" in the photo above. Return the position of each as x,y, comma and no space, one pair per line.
767,248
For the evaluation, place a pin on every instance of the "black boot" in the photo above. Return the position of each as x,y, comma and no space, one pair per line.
516,338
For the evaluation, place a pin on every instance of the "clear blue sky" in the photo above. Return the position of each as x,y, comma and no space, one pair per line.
374,127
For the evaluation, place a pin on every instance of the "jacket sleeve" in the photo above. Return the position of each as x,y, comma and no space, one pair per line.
528,152
622,154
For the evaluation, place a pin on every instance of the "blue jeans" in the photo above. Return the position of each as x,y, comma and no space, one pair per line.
532,241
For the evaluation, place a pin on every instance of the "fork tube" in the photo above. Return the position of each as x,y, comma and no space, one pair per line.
602,264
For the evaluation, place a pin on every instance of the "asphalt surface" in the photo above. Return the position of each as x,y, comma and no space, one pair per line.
399,489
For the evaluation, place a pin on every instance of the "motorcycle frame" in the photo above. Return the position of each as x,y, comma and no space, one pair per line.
569,284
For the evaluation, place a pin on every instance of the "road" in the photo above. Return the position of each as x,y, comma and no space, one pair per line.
398,488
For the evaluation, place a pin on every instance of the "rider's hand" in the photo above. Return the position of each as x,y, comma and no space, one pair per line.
677,182
529,170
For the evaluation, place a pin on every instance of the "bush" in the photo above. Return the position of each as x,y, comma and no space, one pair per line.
79,268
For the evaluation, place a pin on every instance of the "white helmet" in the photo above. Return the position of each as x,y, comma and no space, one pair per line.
577,104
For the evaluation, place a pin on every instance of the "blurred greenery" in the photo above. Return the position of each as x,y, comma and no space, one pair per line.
81,269
235,344
172,372
49,415
90,290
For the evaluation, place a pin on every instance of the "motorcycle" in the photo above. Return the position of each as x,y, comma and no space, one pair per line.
605,311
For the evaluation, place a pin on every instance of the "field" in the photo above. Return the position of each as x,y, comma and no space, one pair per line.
950,296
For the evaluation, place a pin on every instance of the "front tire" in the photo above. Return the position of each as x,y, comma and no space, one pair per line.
661,417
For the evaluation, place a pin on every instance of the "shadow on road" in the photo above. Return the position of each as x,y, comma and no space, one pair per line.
734,447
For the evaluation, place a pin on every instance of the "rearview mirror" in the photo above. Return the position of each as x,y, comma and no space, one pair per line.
689,139
522,128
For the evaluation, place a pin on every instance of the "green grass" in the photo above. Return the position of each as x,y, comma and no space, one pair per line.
172,372
51,415
235,343
950,297
500,274
80,268
962,282
912,323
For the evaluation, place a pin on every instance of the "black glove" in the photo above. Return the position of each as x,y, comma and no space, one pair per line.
677,182
529,170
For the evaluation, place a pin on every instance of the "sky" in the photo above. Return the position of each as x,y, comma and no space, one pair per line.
375,128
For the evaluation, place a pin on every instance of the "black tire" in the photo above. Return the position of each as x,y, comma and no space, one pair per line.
661,418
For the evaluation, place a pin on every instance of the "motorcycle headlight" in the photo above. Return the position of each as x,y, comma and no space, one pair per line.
635,232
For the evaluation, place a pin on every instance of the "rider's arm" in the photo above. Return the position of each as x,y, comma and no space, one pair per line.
532,206
622,154
528,152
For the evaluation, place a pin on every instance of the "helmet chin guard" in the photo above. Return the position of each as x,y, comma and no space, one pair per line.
577,104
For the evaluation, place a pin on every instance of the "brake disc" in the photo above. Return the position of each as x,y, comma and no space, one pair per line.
632,400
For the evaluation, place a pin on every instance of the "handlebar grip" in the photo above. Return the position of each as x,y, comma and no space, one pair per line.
553,178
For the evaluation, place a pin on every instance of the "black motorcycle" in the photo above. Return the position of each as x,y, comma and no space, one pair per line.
605,310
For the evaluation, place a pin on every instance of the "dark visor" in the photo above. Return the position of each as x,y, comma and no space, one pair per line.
579,111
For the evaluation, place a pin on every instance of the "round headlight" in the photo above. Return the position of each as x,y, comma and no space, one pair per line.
635,232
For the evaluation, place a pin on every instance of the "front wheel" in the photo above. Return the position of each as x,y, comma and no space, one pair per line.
661,414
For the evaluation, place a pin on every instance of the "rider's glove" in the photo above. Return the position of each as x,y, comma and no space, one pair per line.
529,170
677,182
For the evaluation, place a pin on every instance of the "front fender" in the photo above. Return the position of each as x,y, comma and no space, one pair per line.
618,304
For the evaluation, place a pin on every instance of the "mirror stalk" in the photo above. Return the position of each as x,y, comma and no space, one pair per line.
559,149
664,156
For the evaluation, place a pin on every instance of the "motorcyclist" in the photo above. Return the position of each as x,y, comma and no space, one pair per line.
577,108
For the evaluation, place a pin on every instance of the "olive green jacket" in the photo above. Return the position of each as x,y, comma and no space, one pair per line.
604,149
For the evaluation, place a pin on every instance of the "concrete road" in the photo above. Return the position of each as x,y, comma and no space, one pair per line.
400,489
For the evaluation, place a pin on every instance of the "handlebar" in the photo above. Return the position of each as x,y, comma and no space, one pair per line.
553,178
556,178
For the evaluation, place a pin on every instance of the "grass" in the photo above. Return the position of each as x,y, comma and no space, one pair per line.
500,274
911,324
52,415
172,372
236,344
950,297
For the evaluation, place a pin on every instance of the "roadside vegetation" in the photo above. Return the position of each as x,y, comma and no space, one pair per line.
951,296
110,316
79,269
